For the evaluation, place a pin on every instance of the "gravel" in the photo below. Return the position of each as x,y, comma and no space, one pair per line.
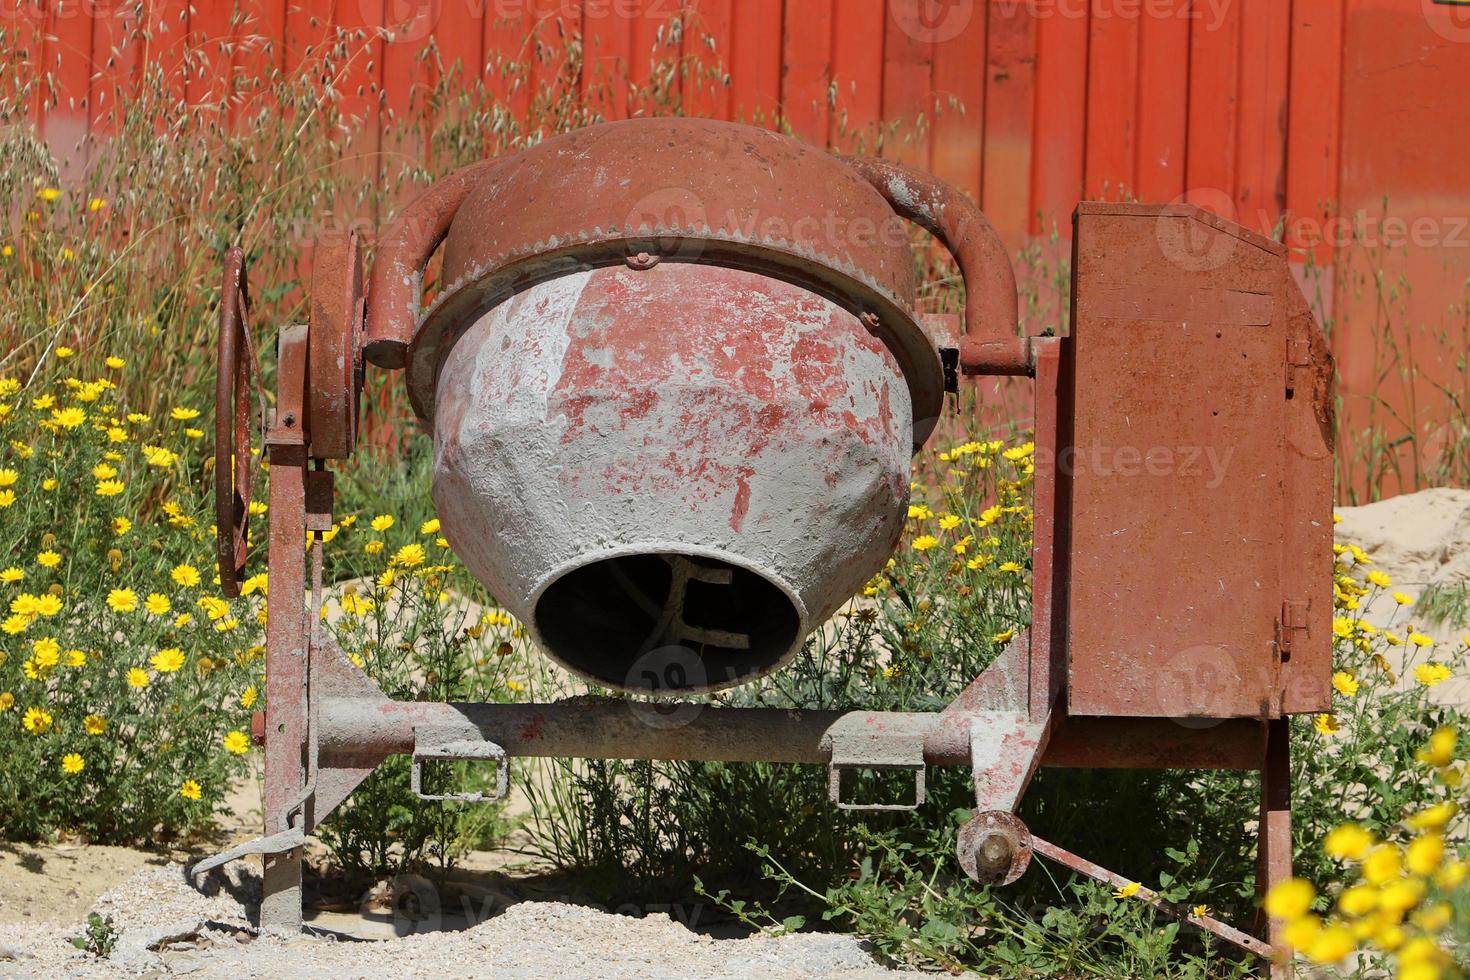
166,927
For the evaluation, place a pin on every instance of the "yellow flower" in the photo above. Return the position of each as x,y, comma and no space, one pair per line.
949,522
11,575
37,721
110,488
64,352
431,526
1290,900
1379,579
373,547
247,697
1348,842
924,542
47,605
1431,673
7,497
1440,749
7,701
137,677
75,658
1346,683
8,477
94,724
122,600
168,660
1004,636
1381,865
114,362
515,685
46,652
409,556
48,559
1325,724
1200,911
1420,640
1435,817
1128,890
157,604
1009,566
1331,945
184,619
1358,900
48,194
184,414
190,790
121,526
185,575
97,204
1424,854
48,484
1402,599
259,582
158,456
68,418
1300,932
117,434
194,433
71,764
237,742
382,522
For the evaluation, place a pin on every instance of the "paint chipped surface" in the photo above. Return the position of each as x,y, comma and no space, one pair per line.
687,407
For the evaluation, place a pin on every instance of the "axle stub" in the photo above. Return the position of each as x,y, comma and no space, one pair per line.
994,847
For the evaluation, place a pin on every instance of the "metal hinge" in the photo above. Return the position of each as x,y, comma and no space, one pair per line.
1293,621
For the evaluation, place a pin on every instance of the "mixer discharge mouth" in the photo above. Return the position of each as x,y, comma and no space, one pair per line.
667,624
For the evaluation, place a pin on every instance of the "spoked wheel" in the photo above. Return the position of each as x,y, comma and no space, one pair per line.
234,390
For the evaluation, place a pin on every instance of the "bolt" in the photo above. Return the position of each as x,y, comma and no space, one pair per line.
643,261
289,420
993,855
870,321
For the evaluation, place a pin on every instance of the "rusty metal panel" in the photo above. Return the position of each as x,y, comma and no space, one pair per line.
1177,471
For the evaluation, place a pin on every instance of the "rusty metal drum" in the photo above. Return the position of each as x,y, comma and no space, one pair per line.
671,474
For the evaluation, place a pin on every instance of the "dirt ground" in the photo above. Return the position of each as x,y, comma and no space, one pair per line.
495,912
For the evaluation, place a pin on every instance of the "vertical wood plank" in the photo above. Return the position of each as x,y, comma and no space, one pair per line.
755,64
1058,170
1112,103
806,70
260,40
1214,85
1163,102
708,33
908,81
1260,180
1314,122
959,105
858,30
24,25
608,52
68,69
210,62
1010,108
117,52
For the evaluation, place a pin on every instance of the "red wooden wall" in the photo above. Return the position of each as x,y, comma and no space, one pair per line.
1272,112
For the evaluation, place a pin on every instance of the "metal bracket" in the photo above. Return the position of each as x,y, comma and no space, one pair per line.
426,746
286,840
868,746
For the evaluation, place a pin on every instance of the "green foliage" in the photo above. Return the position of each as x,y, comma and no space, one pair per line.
99,939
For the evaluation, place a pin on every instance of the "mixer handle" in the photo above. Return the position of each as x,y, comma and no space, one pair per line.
234,385
992,312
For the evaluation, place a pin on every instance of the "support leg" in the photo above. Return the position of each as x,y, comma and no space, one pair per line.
1273,862
286,647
